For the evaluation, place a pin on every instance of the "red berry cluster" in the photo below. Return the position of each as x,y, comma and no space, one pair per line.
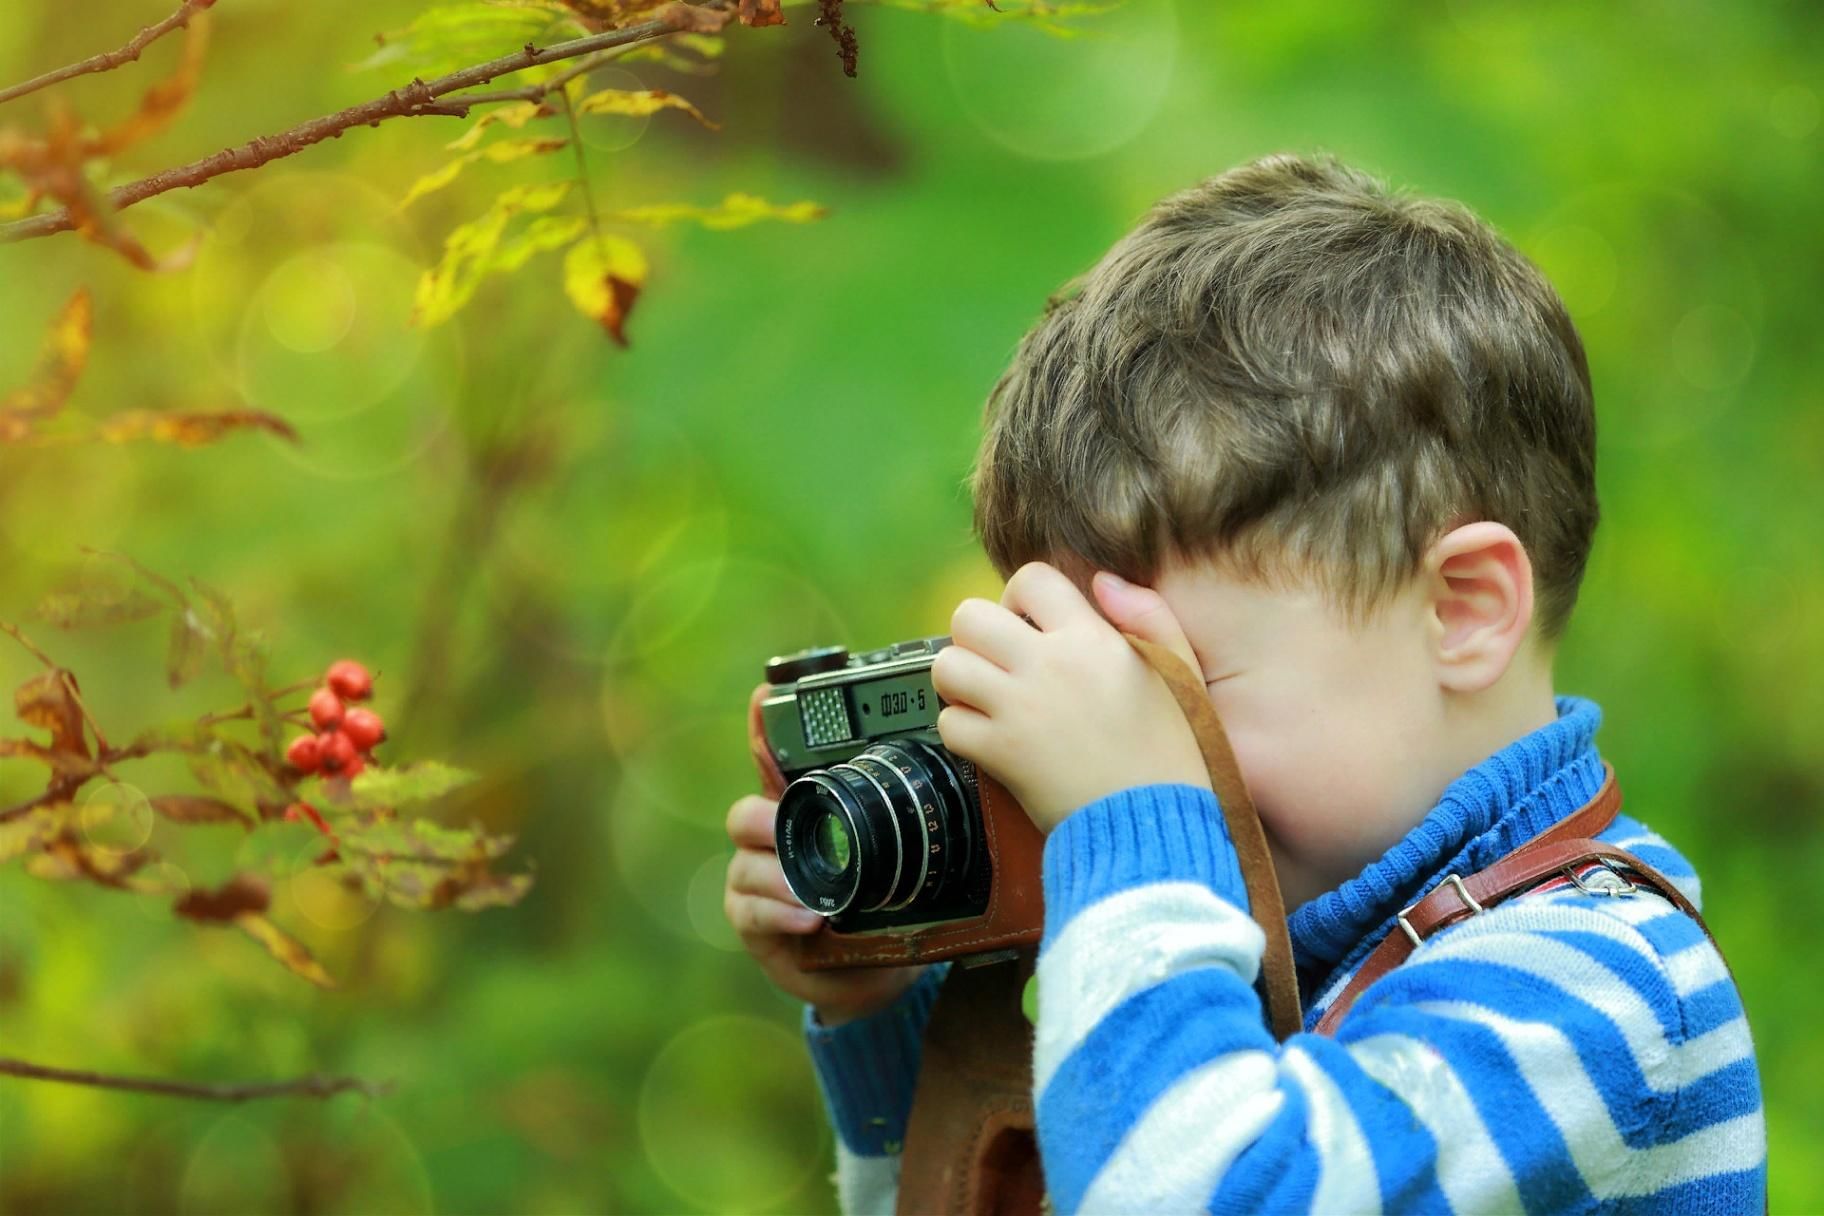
345,737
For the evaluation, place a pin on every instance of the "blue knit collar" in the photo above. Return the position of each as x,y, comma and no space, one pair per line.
1491,809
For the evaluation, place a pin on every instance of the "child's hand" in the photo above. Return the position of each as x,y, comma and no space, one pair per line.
761,908
1065,713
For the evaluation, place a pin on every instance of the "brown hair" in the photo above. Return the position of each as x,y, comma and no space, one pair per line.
1295,370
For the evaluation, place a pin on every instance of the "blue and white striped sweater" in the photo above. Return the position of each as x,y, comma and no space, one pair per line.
1561,1052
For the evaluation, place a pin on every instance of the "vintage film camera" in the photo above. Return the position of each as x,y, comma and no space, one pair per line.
907,850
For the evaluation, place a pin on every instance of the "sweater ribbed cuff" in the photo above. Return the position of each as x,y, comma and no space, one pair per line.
868,1068
1151,833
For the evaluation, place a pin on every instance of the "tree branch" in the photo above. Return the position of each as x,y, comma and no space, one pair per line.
310,1087
108,60
413,99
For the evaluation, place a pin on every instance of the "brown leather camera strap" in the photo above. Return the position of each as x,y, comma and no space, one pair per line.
1556,852
970,1145
1245,833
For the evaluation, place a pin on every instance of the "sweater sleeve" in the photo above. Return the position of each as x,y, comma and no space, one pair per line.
1561,1052
867,1070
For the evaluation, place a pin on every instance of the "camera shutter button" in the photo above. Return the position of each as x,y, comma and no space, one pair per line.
789,667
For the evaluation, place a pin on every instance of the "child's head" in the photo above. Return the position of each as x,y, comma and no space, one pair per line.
1349,437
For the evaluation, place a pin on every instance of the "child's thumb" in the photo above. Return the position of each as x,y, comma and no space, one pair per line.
1144,613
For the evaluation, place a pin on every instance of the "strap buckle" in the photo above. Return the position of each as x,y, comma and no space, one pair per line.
1469,901
1620,887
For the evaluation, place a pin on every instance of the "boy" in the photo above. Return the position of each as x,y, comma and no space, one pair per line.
1335,447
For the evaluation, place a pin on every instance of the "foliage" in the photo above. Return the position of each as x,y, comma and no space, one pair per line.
63,833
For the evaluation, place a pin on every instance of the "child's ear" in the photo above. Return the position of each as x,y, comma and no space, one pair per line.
1480,603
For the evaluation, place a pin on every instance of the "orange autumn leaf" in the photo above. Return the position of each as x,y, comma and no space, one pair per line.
163,101
65,353
191,428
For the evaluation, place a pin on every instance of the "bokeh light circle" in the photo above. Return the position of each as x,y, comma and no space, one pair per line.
726,1155
327,333
703,902
235,1168
1580,263
116,818
1684,282
167,883
632,497
321,894
1065,98
302,216
612,132
697,635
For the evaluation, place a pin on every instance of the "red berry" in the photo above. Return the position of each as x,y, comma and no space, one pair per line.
353,768
304,753
292,814
325,709
338,752
364,727
350,679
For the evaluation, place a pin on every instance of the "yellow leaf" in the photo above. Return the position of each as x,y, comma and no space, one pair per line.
500,153
635,102
284,947
514,114
469,251
602,277
544,233
735,211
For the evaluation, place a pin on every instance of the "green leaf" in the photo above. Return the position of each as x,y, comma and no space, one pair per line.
187,650
735,211
451,36
92,606
423,840
420,782
469,249
236,773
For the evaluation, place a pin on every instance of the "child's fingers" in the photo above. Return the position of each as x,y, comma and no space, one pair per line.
750,822
965,732
755,915
960,674
757,872
1044,593
991,631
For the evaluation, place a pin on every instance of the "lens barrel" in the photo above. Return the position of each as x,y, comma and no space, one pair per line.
883,831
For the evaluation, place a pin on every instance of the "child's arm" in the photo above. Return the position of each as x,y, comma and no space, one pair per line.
867,1069
868,1061
1550,1052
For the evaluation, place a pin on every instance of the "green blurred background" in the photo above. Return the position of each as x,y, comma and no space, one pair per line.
777,461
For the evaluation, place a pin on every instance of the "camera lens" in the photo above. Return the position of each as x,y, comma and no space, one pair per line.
830,844
880,832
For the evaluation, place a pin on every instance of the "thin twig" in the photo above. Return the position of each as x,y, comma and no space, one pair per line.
109,60
413,99
309,1087
537,92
